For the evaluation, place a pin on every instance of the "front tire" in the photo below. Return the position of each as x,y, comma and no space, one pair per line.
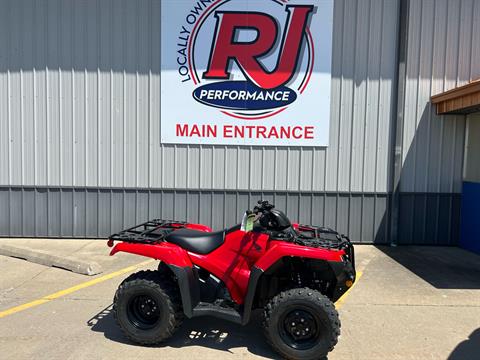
301,324
147,307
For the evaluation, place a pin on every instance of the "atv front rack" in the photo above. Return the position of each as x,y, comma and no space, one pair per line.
324,237
320,237
150,232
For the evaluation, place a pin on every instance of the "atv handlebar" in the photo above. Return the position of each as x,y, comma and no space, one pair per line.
263,205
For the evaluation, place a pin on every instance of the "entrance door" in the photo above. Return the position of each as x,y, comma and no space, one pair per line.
470,233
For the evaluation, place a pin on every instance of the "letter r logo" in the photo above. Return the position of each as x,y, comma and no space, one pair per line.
246,54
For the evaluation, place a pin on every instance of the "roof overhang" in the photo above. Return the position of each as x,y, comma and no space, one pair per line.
462,100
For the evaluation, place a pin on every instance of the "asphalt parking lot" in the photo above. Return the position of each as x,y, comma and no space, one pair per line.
409,303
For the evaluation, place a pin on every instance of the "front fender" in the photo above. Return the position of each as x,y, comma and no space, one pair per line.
283,249
168,253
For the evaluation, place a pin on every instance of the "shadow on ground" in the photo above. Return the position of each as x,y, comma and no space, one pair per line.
202,331
468,349
442,267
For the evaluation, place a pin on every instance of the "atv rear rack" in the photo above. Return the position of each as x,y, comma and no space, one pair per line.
150,232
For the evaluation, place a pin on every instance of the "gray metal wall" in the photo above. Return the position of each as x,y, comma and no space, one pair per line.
80,151
443,53
80,105
80,212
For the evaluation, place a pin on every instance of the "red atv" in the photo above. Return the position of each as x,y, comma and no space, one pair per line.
293,272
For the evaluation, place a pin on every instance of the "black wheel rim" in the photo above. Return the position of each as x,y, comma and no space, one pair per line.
300,329
143,312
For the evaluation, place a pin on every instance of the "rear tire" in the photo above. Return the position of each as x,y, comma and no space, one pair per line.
147,307
301,324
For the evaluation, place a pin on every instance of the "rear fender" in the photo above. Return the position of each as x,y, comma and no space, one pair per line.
166,252
198,227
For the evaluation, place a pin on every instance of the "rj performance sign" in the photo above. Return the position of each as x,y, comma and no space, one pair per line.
246,72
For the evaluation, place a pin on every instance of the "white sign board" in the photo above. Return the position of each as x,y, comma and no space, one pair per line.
246,72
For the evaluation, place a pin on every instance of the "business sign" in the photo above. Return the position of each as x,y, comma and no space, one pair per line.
246,72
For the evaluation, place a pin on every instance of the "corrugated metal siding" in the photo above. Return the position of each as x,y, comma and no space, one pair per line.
443,53
80,150
364,66
93,213
80,101
429,219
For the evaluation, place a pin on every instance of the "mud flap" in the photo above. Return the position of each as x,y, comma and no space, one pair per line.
189,289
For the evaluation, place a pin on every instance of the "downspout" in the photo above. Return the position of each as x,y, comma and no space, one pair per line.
398,111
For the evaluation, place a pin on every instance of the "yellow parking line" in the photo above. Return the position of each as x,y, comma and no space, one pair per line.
72,289
340,301
101,279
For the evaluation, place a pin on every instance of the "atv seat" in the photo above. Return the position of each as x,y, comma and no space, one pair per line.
198,242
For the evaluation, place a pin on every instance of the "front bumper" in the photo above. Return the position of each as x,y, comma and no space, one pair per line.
345,273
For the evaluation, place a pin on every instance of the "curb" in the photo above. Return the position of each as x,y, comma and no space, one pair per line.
47,259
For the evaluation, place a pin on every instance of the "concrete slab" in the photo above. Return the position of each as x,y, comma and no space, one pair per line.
83,250
22,281
392,313
48,259
406,332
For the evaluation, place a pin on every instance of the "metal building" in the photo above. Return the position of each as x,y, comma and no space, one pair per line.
80,150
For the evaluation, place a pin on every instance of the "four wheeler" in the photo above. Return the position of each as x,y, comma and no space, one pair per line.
293,272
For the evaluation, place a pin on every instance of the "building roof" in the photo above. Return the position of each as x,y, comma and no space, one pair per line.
461,100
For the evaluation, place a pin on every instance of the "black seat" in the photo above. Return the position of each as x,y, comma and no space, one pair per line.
198,242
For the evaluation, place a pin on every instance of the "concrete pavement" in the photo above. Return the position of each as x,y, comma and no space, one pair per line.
401,308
